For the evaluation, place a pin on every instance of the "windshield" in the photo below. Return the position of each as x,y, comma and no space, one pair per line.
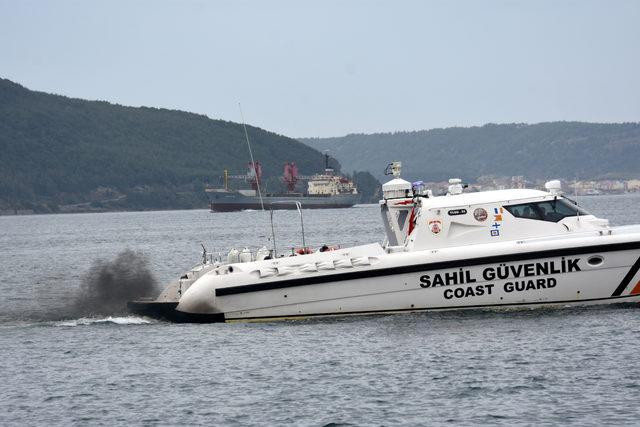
550,210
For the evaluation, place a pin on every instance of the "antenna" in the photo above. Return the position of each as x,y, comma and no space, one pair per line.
575,195
246,135
273,235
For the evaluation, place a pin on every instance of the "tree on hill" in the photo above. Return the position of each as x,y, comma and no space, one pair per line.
57,150
558,149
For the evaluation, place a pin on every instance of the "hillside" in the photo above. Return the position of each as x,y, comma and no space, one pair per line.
558,149
62,153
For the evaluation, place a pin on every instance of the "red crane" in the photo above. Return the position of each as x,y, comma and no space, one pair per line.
290,176
253,175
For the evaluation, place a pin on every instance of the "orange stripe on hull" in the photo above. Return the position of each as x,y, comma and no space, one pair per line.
636,289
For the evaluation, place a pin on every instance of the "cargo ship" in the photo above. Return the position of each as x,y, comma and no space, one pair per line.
325,190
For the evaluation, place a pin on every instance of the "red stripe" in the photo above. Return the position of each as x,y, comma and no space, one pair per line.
412,220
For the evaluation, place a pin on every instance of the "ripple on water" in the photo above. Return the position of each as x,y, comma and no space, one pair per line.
556,366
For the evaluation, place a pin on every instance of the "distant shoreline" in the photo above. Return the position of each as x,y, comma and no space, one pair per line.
30,212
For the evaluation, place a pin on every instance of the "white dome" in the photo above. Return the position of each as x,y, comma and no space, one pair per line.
395,188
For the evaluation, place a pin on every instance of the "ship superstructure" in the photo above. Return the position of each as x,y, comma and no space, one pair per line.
324,190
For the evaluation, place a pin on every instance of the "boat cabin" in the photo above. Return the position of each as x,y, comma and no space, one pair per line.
416,220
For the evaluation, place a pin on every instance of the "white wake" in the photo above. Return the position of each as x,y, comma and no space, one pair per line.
86,321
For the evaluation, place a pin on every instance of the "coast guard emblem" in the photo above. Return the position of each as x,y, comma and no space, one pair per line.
480,214
435,226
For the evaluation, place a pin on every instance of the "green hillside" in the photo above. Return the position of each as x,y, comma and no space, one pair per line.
57,152
558,149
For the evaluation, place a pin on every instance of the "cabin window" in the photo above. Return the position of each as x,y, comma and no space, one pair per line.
550,210
402,217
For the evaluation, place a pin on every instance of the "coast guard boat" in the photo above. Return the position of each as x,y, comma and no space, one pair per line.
491,249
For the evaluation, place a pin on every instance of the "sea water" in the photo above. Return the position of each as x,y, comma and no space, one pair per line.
538,367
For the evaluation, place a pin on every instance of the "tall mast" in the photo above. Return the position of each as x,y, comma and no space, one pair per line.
246,135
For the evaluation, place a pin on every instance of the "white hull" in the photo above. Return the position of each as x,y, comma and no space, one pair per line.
494,249
543,272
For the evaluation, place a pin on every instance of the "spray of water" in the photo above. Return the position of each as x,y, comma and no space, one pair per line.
108,285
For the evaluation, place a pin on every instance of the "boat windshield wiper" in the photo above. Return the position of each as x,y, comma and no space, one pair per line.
571,200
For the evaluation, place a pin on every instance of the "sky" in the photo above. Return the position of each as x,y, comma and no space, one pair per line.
329,68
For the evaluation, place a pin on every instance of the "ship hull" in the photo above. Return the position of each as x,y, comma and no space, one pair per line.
167,311
231,201
569,276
